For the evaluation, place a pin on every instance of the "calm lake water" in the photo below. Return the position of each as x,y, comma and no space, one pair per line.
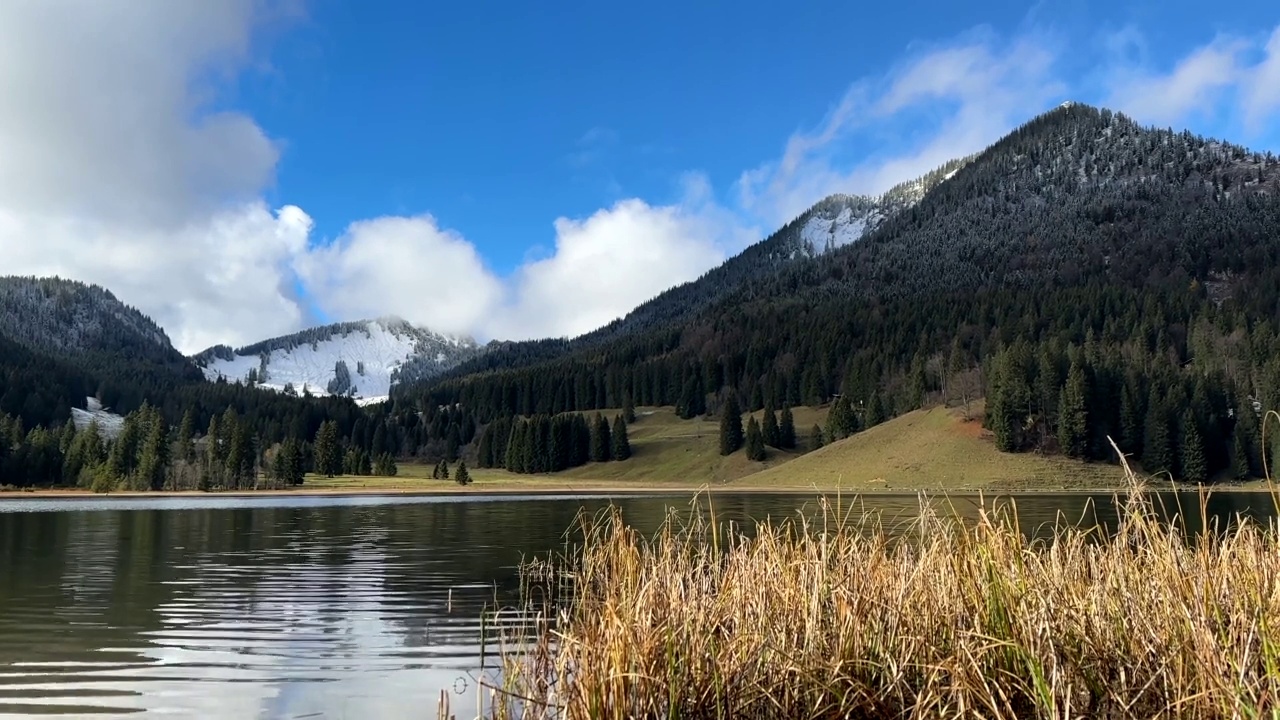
300,607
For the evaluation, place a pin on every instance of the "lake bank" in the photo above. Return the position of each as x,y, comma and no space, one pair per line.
524,486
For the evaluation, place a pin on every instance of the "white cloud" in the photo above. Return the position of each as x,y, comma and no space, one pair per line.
404,266
1230,86
1194,84
1262,87
962,96
602,267
115,173
617,258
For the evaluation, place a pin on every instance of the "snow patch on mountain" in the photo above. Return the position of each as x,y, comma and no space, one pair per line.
109,423
363,360
824,233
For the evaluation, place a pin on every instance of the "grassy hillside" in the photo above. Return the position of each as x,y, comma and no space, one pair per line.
935,448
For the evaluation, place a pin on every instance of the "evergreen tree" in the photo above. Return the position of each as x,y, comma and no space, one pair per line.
213,453
731,435
1240,469
1131,431
365,464
601,443
444,469
1195,467
772,433
328,451
1247,438
875,410
462,476
787,428
621,445
1157,448
154,459
628,409
815,437
186,436
755,440
385,466
1073,418
841,421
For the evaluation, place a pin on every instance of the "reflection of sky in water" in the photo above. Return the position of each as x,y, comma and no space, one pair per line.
305,610
315,624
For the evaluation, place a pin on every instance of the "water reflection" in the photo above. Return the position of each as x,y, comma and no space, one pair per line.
302,607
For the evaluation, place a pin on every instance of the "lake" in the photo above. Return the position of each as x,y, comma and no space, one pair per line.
313,607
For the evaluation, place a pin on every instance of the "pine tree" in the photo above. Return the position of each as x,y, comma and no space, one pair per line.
755,440
730,426
621,445
462,476
628,409
601,443
815,437
1240,469
154,459
1157,448
787,428
1130,440
186,436
385,466
328,451
772,433
1194,465
1073,418
841,422
444,469
875,410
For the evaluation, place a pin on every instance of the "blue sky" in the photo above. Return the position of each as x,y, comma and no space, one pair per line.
499,117
246,168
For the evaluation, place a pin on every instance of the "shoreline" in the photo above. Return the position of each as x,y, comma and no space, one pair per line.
566,490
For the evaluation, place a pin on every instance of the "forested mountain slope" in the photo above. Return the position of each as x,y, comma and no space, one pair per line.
834,222
1092,276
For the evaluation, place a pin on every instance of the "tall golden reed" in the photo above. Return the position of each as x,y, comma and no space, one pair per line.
843,618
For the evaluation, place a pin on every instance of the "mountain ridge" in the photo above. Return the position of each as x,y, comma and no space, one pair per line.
362,359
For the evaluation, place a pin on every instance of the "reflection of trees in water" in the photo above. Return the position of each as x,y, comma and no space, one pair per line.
418,575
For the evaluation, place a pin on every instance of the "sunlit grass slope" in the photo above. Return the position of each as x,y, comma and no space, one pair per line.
935,448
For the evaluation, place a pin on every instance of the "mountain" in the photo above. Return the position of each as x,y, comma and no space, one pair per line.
362,359
75,320
834,222
1095,279
63,342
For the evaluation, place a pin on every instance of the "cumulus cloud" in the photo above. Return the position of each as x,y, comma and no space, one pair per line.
617,258
114,171
405,266
964,95
601,267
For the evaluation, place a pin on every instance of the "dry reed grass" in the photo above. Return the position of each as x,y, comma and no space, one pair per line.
839,617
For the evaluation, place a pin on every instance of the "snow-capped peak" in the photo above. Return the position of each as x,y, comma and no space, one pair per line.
362,359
